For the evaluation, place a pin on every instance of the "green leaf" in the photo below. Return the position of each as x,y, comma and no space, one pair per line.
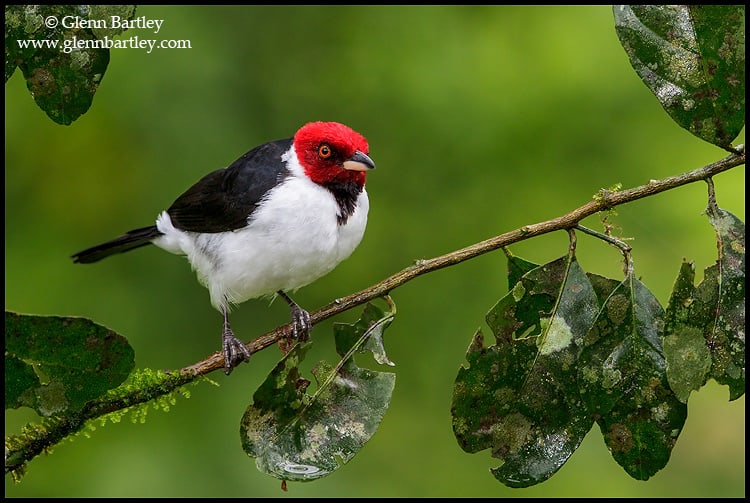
727,337
685,350
520,398
705,331
20,378
692,57
297,436
56,364
346,336
106,13
65,67
603,287
623,382
517,267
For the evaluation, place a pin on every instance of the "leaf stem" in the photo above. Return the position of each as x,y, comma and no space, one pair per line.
713,207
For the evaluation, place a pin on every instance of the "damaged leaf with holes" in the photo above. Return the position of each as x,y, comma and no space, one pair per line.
55,364
517,267
294,435
705,332
623,381
692,57
61,77
519,397
685,350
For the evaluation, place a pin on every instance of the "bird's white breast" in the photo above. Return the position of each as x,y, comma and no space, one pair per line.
293,238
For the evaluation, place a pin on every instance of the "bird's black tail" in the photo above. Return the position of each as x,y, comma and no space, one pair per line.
129,241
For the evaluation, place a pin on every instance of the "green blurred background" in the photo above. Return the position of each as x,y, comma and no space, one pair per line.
480,119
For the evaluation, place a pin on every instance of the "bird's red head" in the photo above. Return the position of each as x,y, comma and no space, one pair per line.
332,152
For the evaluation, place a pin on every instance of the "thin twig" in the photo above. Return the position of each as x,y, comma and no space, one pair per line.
621,245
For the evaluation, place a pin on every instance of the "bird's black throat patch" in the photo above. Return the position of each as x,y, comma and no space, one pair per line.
346,194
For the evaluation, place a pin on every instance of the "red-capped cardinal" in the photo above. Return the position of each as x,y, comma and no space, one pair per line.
280,217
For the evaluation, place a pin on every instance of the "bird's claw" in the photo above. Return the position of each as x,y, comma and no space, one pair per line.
301,323
234,351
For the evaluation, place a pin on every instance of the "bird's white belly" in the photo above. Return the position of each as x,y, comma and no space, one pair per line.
290,242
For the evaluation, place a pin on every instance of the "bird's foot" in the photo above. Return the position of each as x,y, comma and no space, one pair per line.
234,350
301,323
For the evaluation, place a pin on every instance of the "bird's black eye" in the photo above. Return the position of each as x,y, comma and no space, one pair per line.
325,151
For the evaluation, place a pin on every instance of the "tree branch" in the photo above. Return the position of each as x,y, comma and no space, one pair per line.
603,200
20,450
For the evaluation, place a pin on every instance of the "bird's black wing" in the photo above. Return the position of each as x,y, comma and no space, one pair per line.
224,199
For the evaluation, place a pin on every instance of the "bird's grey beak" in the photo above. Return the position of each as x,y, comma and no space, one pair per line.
359,162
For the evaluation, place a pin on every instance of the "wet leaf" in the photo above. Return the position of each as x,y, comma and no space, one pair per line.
692,57
346,335
705,331
519,397
64,68
726,339
623,382
20,379
517,267
297,436
603,287
55,364
685,350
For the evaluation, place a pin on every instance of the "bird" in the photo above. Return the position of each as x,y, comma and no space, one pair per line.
278,218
